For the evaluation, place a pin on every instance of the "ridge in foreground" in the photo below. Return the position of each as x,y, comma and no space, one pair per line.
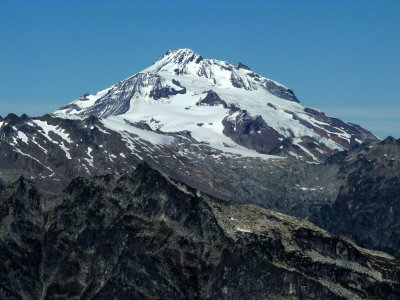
146,235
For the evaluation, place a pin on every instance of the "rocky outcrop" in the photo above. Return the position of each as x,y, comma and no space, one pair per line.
346,134
52,151
368,204
212,99
117,99
167,91
250,131
146,235
242,66
279,91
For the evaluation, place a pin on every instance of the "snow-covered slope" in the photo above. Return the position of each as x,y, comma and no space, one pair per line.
226,106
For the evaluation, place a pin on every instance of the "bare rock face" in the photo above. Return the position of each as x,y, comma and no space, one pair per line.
368,203
242,66
52,151
250,131
212,99
353,193
146,235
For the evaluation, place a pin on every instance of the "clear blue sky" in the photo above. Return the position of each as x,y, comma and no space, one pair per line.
339,56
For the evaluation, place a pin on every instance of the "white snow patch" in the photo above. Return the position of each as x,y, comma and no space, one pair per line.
66,150
245,152
294,154
22,136
55,129
243,230
89,101
25,154
90,159
297,142
46,128
308,189
119,124
102,130
40,146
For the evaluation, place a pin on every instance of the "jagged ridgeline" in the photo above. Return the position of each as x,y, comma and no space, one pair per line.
227,132
52,151
148,236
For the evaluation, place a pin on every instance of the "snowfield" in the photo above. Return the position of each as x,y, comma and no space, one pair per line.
165,96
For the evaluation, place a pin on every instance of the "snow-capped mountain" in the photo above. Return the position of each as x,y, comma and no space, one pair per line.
228,107
174,151
220,129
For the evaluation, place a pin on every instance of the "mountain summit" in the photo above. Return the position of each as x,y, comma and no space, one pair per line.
228,107
225,131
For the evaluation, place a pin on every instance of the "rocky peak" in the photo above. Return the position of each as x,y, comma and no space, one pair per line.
11,118
242,66
212,99
176,61
165,94
84,97
180,55
390,141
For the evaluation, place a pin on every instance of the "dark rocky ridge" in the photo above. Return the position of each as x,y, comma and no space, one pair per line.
166,92
146,236
124,90
293,187
356,131
368,203
242,66
212,99
45,161
251,131
279,91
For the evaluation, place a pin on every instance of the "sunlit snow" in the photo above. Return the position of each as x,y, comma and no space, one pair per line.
184,68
